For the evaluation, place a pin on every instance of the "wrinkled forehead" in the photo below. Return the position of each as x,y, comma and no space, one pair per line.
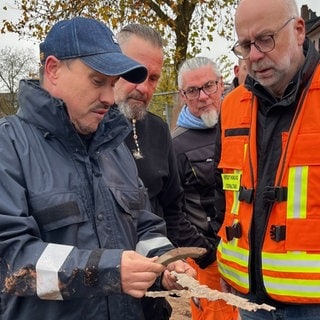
257,16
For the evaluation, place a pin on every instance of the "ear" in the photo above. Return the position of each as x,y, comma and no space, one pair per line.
182,96
221,83
301,30
51,69
236,69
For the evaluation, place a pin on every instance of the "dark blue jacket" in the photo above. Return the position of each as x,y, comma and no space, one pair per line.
67,211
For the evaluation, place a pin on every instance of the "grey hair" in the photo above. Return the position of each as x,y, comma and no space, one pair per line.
196,63
142,31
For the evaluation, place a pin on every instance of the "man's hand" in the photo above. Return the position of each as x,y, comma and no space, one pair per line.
169,282
138,273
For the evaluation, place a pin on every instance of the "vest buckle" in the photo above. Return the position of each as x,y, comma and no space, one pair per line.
278,233
277,194
245,195
233,231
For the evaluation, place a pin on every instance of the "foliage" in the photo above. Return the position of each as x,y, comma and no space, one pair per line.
166,94
6,107
15,64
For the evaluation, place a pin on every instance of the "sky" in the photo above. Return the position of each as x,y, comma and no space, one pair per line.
220,45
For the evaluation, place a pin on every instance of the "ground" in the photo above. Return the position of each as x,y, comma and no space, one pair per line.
180,308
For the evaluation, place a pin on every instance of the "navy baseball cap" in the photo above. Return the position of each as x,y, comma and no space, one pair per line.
95,44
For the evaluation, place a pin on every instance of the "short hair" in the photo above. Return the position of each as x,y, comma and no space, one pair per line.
142,31
196,63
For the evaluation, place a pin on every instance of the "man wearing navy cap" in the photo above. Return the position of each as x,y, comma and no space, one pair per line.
77,238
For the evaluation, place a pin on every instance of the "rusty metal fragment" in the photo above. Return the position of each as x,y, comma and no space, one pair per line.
194,289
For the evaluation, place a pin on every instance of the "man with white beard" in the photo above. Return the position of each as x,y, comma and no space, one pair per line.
201,88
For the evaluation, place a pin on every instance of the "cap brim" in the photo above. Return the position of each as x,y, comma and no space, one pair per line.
117,64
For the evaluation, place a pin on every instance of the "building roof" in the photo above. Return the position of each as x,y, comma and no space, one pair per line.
311,19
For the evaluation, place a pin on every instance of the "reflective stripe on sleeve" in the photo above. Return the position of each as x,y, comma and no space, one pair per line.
145,246
47,268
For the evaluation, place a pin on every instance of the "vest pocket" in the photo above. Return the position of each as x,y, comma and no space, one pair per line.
233,153
306,150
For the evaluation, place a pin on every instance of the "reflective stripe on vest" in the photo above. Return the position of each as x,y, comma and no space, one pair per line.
297,192
235,206
238,271
293,287
305,269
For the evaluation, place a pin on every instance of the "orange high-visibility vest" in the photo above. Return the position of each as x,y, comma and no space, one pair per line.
291,249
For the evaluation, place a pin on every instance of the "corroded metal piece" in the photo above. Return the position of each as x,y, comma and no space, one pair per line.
194,289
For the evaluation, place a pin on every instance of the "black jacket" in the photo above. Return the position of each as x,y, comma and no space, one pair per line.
194,151
159,173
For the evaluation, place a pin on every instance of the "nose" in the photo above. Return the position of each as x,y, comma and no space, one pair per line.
107,96
202,94
254,53
143,87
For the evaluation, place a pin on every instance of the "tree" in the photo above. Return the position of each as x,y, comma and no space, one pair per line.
15,64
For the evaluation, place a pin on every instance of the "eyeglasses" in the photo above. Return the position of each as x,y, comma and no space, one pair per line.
193,93
263,43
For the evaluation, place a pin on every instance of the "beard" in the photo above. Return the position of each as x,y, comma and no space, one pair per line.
210,118
132,111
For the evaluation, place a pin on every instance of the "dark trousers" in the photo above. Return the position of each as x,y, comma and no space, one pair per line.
156,308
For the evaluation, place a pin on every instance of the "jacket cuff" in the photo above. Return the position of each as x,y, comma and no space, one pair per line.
205,260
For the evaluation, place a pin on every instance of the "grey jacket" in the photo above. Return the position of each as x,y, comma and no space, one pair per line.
68,208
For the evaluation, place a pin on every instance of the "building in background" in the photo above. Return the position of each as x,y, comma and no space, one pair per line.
312,25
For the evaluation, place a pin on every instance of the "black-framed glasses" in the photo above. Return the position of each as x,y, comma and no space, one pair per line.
208,88
263,43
